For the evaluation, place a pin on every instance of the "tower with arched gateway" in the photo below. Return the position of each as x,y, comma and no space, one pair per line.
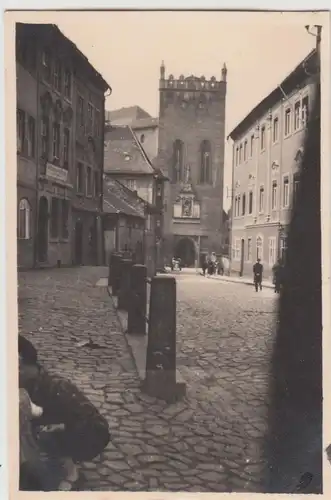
191,154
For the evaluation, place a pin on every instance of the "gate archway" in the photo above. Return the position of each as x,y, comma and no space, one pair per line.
185,250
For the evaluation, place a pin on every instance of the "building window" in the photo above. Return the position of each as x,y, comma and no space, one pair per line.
236,249
275,130
249,249
46,65
243,207
24,220
274,196
31,137
250,202
296,184
272,251
259,248
131,184
287,122
97,123
205,167
252,146
88,181
96,184
55,217
44,137
80,110
263,138
237,155
142,138
177,161
90,117
80,177
240,153
245,150
297,119
286,192
67,84
261,199
56,141
66,147
304,111
20,119
65,219
57,75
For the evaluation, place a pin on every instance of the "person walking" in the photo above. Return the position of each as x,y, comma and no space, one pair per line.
277,275
204,266
258,273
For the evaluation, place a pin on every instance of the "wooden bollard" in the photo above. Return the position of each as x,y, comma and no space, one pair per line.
160,378
124,290
138,300
111,263
116,274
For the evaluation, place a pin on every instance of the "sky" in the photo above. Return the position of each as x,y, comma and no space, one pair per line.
127,48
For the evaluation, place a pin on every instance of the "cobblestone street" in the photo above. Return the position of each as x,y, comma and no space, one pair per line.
210,441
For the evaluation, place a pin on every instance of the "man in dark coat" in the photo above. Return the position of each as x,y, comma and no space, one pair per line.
258,273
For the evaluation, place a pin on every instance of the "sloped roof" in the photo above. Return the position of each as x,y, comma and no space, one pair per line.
143,123
125,116
124,153
298,74
52,30
117,199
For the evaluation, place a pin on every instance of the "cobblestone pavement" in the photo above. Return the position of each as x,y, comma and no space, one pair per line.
210,441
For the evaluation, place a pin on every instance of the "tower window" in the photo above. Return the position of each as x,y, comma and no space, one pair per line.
177,166
142,138
205,167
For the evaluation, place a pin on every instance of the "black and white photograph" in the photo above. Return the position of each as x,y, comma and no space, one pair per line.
169,250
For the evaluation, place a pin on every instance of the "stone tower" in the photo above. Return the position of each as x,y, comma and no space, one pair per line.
191,154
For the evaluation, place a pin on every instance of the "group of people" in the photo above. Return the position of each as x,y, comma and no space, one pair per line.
59,427
277,272
176,264
212,265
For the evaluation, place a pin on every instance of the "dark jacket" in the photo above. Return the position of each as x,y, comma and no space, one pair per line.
258,269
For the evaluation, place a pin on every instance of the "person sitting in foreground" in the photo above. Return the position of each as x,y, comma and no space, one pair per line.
82,433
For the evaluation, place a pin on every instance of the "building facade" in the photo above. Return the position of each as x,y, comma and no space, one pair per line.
127,162
267,151
144,126
191,155
66,153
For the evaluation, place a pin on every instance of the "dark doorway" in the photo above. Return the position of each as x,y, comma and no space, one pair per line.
242,257
78,242
93,245
185,250
42,229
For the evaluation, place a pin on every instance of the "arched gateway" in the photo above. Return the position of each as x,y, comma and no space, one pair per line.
185,250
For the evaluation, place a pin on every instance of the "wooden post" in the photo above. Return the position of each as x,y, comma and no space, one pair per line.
124,289
138,300
160,378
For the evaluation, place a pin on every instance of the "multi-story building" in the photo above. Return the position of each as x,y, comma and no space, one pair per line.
143,124
191,154
60,137
267,150
126,161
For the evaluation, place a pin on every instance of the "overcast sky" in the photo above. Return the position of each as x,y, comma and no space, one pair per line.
127,48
